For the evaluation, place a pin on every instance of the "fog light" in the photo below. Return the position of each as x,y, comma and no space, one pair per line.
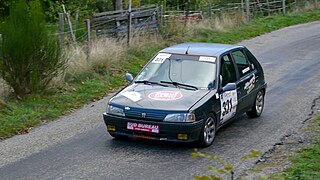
111,128
183,136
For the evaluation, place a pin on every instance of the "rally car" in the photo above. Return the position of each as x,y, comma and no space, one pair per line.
186,92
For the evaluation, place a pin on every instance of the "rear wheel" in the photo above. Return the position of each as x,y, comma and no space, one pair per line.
208,131
258,105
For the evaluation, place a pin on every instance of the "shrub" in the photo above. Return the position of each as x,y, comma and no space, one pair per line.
29,57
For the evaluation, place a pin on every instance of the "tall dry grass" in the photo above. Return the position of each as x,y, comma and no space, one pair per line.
306,6
177,30
105,53
5,89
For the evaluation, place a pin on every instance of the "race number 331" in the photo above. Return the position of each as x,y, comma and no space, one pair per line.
229,104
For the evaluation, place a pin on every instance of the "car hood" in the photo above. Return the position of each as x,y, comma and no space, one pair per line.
157,97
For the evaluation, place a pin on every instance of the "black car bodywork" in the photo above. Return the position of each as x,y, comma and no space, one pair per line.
172,111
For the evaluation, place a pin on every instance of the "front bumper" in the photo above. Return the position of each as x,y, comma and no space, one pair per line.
167,131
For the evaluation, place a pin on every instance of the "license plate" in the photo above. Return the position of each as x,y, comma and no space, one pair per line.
143,127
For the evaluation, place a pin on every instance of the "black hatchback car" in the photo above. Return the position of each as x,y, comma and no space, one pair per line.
186,92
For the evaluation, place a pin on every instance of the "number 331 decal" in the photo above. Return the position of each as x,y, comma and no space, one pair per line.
229,103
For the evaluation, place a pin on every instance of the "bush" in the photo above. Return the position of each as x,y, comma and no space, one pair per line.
29,57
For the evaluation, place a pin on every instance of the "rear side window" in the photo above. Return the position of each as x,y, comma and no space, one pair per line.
242,62
254,63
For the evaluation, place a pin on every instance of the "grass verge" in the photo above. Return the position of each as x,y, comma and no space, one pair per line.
18,116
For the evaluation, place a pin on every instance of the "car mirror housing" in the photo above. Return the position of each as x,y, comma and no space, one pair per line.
229,87
129,77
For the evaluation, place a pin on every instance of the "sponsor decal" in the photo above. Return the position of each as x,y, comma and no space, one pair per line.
133,96
161,57
248,86
165,95
229,102
207,59
245,70
143,127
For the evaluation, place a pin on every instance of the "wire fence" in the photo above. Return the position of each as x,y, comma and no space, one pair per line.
150,18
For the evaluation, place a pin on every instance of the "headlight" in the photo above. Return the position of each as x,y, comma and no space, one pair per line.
183,117
115,110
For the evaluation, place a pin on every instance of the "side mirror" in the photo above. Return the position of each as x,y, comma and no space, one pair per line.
129,77
229,87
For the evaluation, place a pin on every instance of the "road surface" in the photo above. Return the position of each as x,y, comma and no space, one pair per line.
77,146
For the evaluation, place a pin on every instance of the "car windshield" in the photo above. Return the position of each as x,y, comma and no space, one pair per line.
198,71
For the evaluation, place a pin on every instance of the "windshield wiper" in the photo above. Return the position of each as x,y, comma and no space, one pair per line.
179,84
150,82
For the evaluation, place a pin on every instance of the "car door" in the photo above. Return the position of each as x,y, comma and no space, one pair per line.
228,99
247,80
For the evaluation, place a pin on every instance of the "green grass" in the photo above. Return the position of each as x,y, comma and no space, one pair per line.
255,28
18,116
306,163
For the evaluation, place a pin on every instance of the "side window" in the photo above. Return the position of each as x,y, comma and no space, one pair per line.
242,62
228,72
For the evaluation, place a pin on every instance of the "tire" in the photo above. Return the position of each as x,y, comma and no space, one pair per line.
258,105
208,131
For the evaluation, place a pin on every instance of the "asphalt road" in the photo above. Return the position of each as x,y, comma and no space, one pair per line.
77,146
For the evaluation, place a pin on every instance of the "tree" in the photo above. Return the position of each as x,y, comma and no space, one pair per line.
29,57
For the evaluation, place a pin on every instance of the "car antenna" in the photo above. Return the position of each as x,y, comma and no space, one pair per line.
187,49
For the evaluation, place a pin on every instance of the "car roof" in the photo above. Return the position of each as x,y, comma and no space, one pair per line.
200,49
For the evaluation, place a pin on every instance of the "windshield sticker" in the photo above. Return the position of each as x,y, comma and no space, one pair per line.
229,102
161,57
165,95
207,59
250,84
133,96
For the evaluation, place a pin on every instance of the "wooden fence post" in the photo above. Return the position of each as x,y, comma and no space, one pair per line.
247,11
69,23
160,15
129,27
284,7
61,30
88,38
129,24
1,40
268,6
76,23
70,28
242,5
186,15
209,9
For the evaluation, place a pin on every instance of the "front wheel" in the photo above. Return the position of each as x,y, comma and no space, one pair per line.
258,105
208,131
